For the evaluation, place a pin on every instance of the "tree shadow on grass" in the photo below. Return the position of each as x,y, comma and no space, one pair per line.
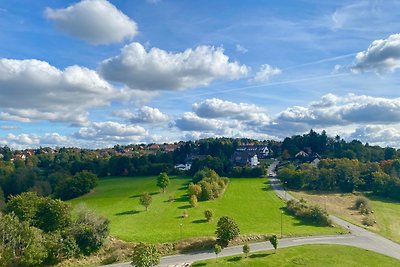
184,207
199,221
199,264
259,255
128,212
235,259
139,195
183,198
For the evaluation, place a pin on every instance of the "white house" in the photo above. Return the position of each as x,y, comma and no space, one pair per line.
183,167
254,161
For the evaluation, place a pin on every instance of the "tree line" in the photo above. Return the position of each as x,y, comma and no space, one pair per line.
345,175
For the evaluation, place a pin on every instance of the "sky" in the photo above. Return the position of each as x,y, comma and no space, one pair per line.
96,73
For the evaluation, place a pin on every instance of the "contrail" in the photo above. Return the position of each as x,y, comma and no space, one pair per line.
268,84
320,61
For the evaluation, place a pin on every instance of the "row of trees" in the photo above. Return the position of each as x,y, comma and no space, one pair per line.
345,175
42,231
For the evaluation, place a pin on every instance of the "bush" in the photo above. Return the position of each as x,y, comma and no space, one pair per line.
194,189
360,201
362,204
368,221
313,213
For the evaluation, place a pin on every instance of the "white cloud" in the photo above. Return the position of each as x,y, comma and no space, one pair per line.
8,127
337,112
217,108
143,115
34,90
22,141
382,56
266,71
95,21
241,49
109,131
157,69
191,122
382,135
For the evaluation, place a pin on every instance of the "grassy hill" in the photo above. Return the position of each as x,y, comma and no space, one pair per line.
327,255
386,211
249,201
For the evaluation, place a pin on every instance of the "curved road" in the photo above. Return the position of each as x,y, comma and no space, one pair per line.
359,237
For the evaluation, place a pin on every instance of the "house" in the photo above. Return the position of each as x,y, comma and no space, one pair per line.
183,167
153,147
301,154
254,161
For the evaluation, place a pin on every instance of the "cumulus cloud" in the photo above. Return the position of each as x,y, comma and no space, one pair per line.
24,140
217,108
95,21
382,56
382,135
266,71
35,90
157,69
143,115
190,122
110,131
332,111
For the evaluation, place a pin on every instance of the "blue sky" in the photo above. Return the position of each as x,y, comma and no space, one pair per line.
95,73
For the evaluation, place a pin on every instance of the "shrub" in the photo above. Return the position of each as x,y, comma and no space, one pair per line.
360,201
313,213
368,221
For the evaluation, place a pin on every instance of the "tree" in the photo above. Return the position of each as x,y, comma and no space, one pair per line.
246,249
145,200
274,242
145,255
163,181
52,215
227,230
21,244
193,201
217,250
90,230
209,215
194,189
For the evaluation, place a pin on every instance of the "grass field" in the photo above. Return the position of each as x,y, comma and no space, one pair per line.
249,201
307,255
386,212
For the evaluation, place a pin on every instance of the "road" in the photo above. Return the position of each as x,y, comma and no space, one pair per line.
359,237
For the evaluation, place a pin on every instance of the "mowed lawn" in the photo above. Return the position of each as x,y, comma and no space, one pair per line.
251,202
307,255
386,212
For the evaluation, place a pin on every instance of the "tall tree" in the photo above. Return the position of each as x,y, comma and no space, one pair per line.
227,230
163,181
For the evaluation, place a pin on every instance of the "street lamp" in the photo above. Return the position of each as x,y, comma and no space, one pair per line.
325,202
181,230
285,190
281,223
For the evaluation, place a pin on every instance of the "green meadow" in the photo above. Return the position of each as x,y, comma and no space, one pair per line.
307,255
250,201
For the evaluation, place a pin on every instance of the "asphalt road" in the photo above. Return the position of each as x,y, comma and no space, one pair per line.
359,237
